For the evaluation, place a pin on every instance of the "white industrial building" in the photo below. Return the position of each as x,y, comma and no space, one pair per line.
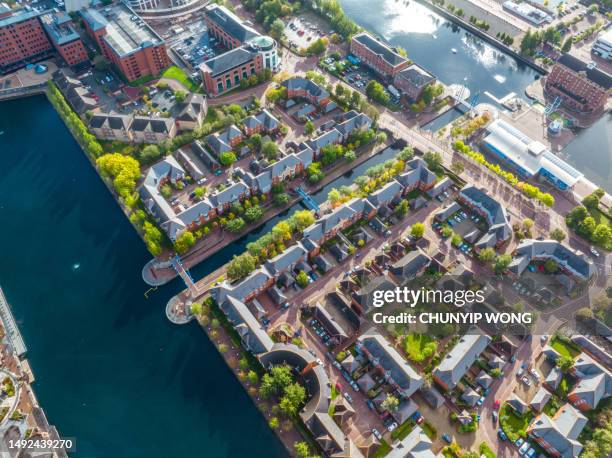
603,45
528,157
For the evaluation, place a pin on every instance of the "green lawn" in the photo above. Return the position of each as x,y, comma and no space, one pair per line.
564,348
179,75
486,451
403,430
513,424
419,347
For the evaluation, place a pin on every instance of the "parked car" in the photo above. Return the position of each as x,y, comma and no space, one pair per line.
348,397
495,416
502,434
377,434
480,401
497,404
447,438
526,381
523,448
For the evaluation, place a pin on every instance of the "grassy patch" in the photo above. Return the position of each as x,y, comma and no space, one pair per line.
419,347
403,430
382,450
513,424
564,387
552,406
429,430
178,74
141,81
486,451
564,348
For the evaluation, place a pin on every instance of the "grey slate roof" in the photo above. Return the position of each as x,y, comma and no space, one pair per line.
497,219
113,121
230,194
415,445
470,397
230,23
386,194
314,91
157,125
254,337
411,264
286,260
243,288
540,399
378,47
228,60
193,106
529,249
561,431
416,75
456,363
392,362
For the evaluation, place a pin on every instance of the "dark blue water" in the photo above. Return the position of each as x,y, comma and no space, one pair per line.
429,39
110,369
591,152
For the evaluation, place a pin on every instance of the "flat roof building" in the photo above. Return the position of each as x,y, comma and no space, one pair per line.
64,38
23,39
528,157
603,45
127,41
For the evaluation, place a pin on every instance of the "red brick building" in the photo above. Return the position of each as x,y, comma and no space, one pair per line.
224,72
127,41
64,38
228,28
377,55
22,39
582,88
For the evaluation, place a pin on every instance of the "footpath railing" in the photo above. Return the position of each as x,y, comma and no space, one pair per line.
7,94
10,325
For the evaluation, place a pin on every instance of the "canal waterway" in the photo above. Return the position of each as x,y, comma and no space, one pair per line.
451,53
110,369
430,40
591,152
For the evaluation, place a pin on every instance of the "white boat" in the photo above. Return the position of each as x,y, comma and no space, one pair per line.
454,50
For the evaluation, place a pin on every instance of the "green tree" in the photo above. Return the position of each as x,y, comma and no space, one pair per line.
376,92
303,219
456,240
235,225
434,161
417,230
256,142
557,234
567,45
227,158
275,381
602,235
334,196
501,263
124,170
487,254
293,399
547,199
153,238
390,404
180,96
402,208
184,242
587,227
550,266
576,215
254,213
274,423
196,308
281,199
241,266
302,279
309,128
565,363
406,154
277,29
252,377
270,150
350,155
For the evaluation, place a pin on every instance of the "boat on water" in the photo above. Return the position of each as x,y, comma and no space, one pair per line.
454,50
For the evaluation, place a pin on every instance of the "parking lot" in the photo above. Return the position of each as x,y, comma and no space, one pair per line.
304,30
192,44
